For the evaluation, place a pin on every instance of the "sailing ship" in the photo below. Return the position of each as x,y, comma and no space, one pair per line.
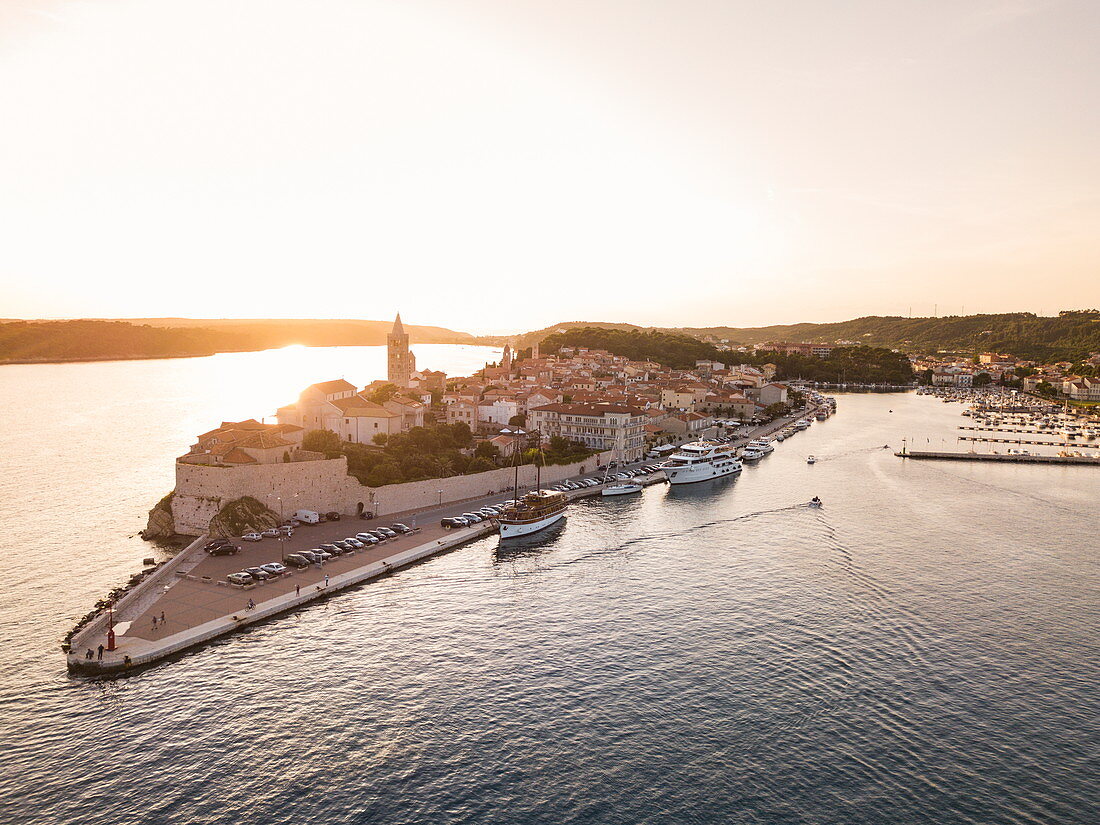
533,511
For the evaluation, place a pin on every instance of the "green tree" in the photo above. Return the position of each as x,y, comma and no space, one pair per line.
321,441
517,421
382,393
982,379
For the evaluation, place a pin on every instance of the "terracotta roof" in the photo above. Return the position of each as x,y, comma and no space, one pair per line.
329,387
262,441
236,456
358,406
588,409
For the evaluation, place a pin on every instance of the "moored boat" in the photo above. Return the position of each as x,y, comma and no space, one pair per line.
533,512
701,461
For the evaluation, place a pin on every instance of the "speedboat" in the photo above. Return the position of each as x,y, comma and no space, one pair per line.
764,445
811,460
815,502
751,454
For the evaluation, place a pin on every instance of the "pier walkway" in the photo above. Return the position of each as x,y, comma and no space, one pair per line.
198,604
1003,457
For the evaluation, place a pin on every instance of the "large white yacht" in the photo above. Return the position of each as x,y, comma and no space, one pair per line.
700,461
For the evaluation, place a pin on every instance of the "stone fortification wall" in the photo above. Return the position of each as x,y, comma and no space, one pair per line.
201,491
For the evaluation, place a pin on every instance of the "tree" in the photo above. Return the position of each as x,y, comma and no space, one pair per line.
982,379
517,421
382,393
480,465
380,439
487,450
321,441
1045,389
775,410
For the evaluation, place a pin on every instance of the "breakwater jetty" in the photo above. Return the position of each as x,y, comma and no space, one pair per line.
1013,458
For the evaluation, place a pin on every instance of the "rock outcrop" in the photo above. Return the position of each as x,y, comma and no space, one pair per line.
241,516
161,526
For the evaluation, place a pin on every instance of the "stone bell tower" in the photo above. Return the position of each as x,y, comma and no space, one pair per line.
399,360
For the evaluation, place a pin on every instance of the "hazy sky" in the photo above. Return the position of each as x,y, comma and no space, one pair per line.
502,165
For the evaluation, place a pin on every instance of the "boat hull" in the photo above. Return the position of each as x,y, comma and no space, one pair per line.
511,530
692,475
621,490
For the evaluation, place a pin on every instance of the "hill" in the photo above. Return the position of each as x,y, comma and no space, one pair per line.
95,340
855,364
1069,336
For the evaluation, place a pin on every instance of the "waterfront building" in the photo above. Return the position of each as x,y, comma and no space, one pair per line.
615,427
400,362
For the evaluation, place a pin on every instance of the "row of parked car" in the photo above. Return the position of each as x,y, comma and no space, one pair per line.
304,558
614,475
466,519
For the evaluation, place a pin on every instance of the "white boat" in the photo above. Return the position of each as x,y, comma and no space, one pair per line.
533,512
626,488
764,445
802,424
811,460
751,454
815,502
701,461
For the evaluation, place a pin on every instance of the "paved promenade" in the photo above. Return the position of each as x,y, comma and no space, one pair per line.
198,604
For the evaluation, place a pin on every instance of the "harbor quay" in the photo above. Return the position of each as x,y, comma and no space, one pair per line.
193,603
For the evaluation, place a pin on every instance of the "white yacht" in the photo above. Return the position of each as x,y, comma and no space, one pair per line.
701,461
764,445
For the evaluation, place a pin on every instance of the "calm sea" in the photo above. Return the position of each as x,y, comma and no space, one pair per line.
924,649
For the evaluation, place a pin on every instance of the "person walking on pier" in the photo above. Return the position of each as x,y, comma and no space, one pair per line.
162,617
297,590
88,655
154,623
326,579
101,653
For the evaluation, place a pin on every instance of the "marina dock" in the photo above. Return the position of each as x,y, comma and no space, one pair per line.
1003,457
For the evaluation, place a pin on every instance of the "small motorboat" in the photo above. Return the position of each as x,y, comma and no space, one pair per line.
621,489
811,460
815,502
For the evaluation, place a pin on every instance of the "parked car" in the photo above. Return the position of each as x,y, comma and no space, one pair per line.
328,547
286,531
309,556
355,543
378,534
295,523
270,533
240,579
210,545
366,537
473,518
298,560
461,521
343,546
273,568
321,554
332,515
258,573
251,536
401,528
224,550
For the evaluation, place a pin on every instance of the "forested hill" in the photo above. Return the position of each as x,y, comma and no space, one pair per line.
89,340
1071,335
859,364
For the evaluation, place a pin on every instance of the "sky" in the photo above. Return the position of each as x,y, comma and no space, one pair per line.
496,166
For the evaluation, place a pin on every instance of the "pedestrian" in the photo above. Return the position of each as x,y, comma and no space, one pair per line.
162,617
251,604
88,655
297,590
326,579
154,623
101,653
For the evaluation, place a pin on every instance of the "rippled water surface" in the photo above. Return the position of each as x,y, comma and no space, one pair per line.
924,649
